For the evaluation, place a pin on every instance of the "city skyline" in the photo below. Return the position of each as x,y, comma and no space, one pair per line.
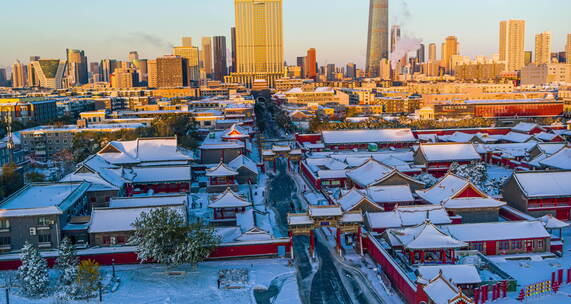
205,19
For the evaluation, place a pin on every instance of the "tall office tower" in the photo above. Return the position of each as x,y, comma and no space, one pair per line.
191,54
187,41
449,49
568,49
543,48
219,56
377,38
233,45
3,78
420,54
351,70
528,58
133,55
311,64
300,62
18,75
432,52
259,41
142,71
206,55
77,67
50,72
94,75
395,36
512,42
330,72
106,68
152,73
172,71
32,80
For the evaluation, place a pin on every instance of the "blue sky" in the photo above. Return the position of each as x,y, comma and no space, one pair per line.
336,28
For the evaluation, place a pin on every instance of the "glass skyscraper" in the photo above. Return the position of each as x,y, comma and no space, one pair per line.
377,40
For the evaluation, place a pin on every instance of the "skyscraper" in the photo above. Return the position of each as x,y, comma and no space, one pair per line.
377,38
187,41
206,55
395,36
568,49
528,57
300,60
420,54
32,77
219,52
106,68
311,64
133,55
432,52
191,54
233,42
449,49
512,42
18,75
351,70
50,72
77,67
259,41
152,73
172,71
543,48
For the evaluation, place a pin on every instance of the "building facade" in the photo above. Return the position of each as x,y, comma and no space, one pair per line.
377,39
512,43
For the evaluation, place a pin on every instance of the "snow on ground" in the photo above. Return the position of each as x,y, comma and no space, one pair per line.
146,284
497,171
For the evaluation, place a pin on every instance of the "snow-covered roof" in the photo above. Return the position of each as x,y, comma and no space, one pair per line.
550,148
525,127
157,174
331,174
449,152
242,161
229,199
254,234
368,136
390,194
148,201
281,148
369,173
119,219
462,137
216,141
350,199
559,160
235,131
43,198
497,231
406,216
142,150
299,219
551,222
458,274
515,137
473,202
538,184
445,189
544,136
352,217
220,170
440,291
423,236
320,211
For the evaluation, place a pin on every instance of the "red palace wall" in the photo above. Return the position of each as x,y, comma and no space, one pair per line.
528,109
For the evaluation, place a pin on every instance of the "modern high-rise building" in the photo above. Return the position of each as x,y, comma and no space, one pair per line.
512,43
568,49
94,75
543,48
351,70
141,68
50,72
152,73
259,41
219,56
449,49
300,62
76,67
32,77
124,78
432,52
420,54
233,50
395,36
172,71
133,55
206,55
191,54
311,64
18,75
377,38
187,41
106,68
528,57
3,78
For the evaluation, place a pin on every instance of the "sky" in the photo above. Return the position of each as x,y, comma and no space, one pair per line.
336,28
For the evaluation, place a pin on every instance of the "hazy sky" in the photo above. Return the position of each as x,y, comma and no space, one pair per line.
336,28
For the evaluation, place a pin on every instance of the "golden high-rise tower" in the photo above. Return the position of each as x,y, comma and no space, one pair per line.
512,42
568,49
543,48
259,41
432,52
449,49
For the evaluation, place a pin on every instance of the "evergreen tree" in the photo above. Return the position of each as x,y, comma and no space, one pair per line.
33,273
162,235
67,262
88,278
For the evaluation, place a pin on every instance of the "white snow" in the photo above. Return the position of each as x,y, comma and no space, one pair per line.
449,152
229,199
325,211
459,274
369,173
119,219
497,231
148,201
158,174
390,194
368,136
440,291
143,150
220,170
559,160
538,184
405,216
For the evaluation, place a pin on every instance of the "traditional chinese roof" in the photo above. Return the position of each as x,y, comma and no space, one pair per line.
368,136
440,291
220,170
406,216
544,184
559,160
235,132
423,236
551,222
229,199
325,211
448,152
371,172
242,161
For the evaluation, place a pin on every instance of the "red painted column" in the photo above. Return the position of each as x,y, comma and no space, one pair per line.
338,240
568,276
291,244
311,243
411,256
553,277
476,295
443,256
453,255
504,288
484,293
422,257
360,239
560,276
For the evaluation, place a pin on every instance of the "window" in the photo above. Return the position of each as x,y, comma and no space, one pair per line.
5,241
504,245
120,239
517,245
538,243
4,224
44,221
477,246
45,238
